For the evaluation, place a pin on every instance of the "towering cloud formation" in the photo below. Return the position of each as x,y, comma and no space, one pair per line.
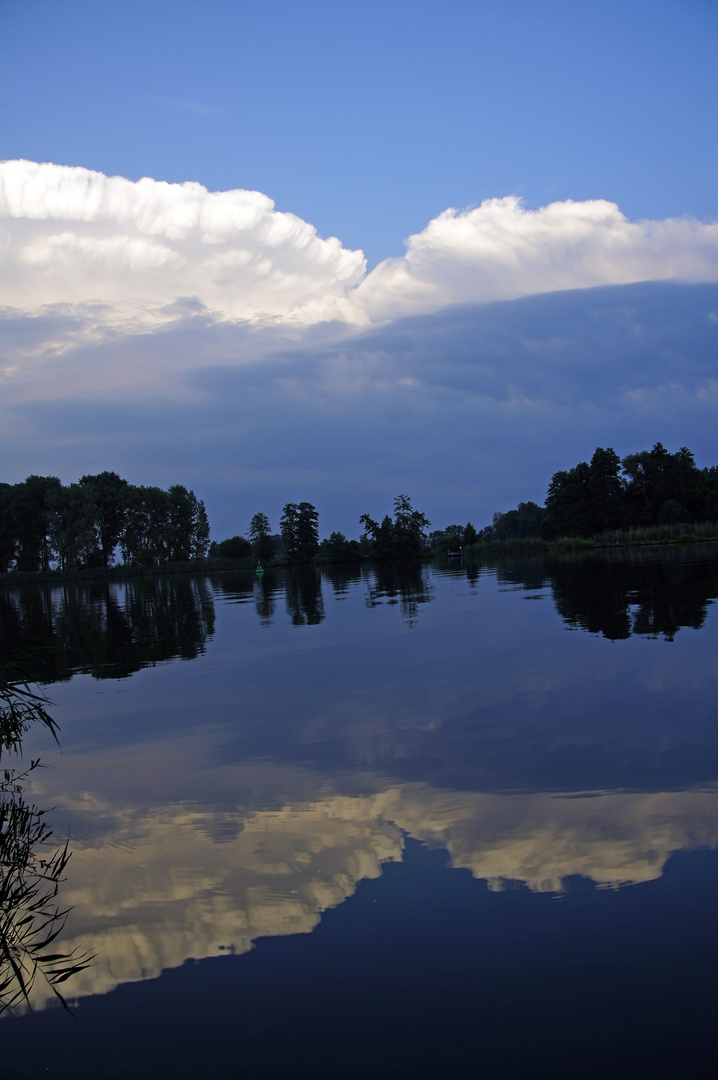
500,251
69,235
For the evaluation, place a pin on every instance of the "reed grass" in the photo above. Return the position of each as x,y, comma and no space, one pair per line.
32,866
676,533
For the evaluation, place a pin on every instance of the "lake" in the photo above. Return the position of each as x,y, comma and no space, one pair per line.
401,820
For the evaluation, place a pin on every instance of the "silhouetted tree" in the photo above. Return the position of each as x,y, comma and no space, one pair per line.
144,537
260,536
236,547
450,539
402,538
29,507
409,528
381,535
8,528
72,524
338,549
664,487
299,527
605,491
109,494
200,529
587,499
518,524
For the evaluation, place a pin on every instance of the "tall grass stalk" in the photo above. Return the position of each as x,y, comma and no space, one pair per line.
32,866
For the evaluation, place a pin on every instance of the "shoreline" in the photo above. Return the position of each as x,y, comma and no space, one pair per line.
527,546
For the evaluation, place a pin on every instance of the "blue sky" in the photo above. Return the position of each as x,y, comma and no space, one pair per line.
369,118
368,122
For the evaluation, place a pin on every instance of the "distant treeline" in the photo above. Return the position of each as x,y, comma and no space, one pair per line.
298,544
650,490
607,494
44,523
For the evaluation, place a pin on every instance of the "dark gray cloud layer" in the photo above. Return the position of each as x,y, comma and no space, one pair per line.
468,410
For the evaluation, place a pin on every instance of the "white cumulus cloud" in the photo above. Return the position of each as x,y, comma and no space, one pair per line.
500,251
69,235
133,249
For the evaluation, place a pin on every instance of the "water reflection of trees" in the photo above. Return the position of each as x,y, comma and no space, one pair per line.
264,598
109,629
303,596
620,598
342,576
617,594
248,587
407,584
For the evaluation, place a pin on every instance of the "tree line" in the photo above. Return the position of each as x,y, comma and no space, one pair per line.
402,536
297,542
43,522
652,487
607,494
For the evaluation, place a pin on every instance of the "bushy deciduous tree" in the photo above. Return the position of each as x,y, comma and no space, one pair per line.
8,528
518,524
82,524
587,499
29,508
187,527
653,487
72,525
144,537
299,529
663,487
338,549
402,538
109,496
236,547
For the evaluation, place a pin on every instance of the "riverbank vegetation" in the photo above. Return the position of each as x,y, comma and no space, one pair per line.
645,498
85,529
45,524
32,865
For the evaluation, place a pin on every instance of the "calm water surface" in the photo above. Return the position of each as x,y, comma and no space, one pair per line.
407,820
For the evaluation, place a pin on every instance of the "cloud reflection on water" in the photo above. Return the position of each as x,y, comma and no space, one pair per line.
243,793
151,888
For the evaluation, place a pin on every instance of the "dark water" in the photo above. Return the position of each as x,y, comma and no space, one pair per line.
400,821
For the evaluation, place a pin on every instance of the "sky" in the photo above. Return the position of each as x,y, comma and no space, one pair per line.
334,252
